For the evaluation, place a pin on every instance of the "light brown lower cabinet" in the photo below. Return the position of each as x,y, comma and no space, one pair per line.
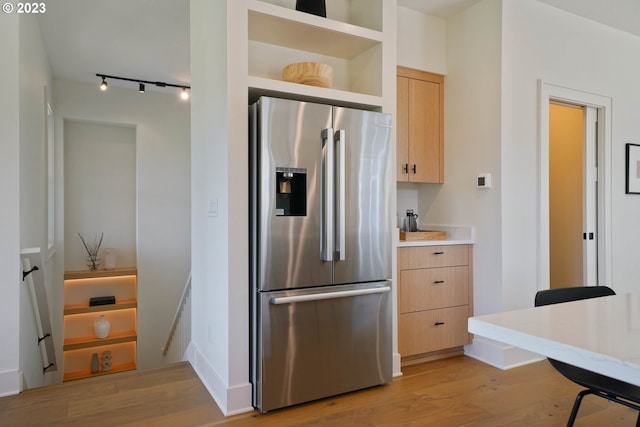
435,299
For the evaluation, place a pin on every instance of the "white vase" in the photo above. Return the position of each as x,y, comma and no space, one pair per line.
101,327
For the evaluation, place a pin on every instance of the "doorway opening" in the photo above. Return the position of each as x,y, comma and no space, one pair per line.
575,188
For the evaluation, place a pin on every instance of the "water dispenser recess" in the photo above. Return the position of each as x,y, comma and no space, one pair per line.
291,192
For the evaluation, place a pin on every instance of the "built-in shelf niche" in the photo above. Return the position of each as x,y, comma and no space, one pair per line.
359,13
279,35
77,361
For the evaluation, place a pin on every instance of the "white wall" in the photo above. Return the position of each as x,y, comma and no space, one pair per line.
220,319
541,42
163,195
35,80
100,192
422,41
472,145
422,45
10,212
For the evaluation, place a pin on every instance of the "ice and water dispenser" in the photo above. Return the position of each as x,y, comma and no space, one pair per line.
291,192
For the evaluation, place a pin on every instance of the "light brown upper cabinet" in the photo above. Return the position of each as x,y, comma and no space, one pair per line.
420,126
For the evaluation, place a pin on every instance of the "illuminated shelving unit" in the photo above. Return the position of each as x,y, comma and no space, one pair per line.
80,341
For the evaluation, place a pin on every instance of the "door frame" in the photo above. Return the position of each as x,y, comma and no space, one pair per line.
550,92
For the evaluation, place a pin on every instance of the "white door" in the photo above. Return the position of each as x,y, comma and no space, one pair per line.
590,198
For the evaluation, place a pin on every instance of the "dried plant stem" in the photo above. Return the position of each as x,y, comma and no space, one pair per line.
92,250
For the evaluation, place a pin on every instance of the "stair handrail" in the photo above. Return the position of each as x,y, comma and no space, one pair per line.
177,315
33,278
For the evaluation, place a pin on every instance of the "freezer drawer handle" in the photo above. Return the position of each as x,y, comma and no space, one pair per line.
328,295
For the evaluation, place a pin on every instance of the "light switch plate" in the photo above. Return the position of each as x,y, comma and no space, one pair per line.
212,208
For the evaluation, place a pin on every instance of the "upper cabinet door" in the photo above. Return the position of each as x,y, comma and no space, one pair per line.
420,109
424,131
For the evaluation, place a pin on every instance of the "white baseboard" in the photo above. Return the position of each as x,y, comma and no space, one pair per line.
10,383
498,354
189,353
231,400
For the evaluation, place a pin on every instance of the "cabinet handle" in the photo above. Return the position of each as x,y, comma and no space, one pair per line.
439,253
406,168
438,324
438,282
414,168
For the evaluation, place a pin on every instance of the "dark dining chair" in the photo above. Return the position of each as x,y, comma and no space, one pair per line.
600,385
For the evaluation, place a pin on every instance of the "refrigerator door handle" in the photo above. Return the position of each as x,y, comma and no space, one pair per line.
328,295
327,197
341,217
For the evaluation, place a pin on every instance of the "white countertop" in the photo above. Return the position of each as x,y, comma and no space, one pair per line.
598,334
456,235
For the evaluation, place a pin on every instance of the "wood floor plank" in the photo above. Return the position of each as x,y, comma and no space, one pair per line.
454,392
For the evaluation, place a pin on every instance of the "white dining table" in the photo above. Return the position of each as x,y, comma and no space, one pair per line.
598,334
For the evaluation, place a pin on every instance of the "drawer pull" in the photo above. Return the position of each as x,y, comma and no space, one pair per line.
438,324
439,282
439,253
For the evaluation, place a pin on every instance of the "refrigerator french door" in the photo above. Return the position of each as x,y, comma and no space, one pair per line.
320,250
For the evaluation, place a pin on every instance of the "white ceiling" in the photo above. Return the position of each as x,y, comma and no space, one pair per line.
621,14
139,39
149,39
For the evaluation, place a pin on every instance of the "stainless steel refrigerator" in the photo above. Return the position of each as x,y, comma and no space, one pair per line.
320,250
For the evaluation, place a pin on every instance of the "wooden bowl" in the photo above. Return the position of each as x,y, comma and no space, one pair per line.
309,73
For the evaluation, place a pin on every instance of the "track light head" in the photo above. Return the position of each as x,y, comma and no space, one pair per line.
104,85
184,94
141,87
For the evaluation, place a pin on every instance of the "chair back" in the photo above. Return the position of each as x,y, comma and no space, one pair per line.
558,295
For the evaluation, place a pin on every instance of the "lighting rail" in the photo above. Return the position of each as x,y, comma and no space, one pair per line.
184,94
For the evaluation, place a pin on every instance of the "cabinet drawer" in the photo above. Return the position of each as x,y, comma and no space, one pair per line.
431,330
410,258
431,288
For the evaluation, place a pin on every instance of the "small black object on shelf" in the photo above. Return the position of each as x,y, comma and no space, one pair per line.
102,301
316,7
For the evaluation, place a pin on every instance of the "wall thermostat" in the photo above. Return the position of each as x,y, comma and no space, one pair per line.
484,181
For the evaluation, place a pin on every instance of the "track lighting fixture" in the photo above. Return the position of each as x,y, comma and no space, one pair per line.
184,93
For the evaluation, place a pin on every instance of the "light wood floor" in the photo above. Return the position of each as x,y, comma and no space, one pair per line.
450,393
